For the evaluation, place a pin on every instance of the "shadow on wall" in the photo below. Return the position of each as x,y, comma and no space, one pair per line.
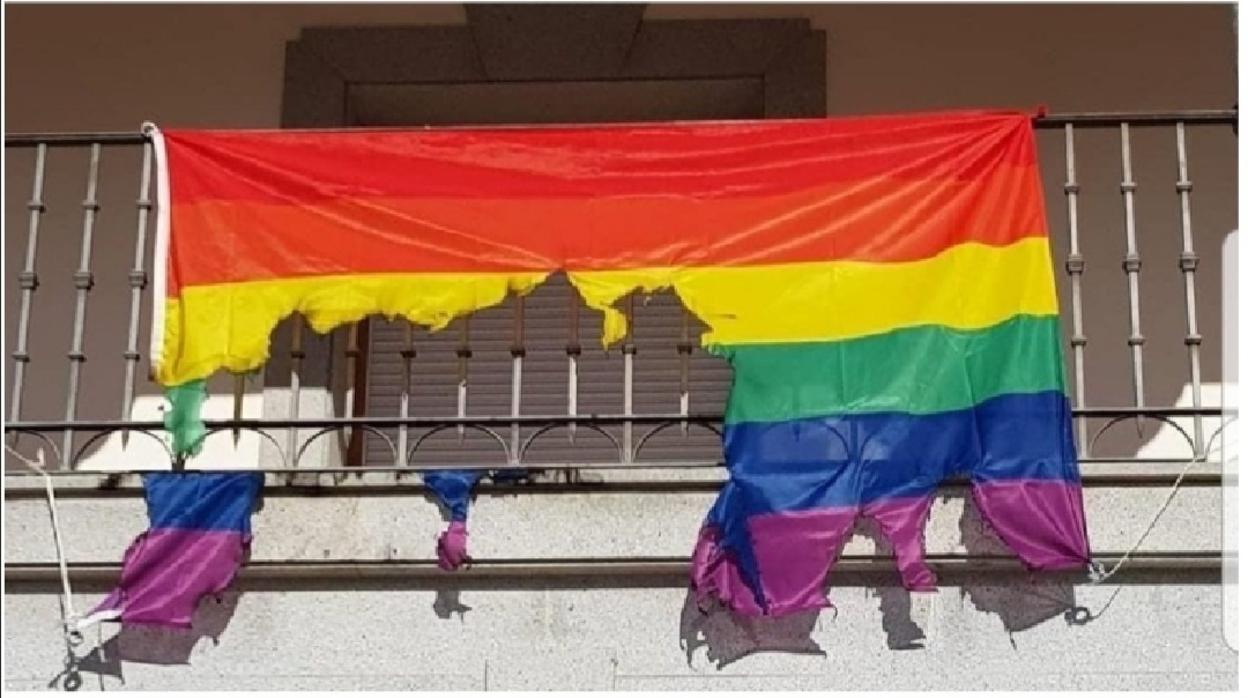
1020,603
728,637
148,645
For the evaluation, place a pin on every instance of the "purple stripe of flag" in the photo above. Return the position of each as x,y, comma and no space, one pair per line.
1041,520
167,571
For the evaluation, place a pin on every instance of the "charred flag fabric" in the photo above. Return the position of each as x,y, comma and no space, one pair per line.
881,286
198,537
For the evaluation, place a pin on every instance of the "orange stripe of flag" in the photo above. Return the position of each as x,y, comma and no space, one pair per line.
879,220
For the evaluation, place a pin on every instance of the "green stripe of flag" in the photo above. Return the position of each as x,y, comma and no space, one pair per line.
919,370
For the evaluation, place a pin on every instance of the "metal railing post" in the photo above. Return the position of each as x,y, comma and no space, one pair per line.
1131,266
574,355
407,354
83,281
352,355
517,374
1187,265
1074,269
296,380
138,282
462,353
28,280
630,351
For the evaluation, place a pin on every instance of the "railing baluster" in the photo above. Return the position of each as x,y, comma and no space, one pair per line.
28,280
138,282
1131,265
685,349
296,381
630,350
574,354
352,356
240,387
407,353
83,281
463,352
517,374
1187,264
1074,268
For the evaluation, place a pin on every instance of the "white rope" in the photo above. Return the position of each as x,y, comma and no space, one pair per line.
161,252
69,618
1098,570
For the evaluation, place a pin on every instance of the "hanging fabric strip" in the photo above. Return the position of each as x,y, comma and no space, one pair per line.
198,536
453,490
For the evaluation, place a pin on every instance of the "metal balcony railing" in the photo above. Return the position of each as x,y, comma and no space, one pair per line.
629,431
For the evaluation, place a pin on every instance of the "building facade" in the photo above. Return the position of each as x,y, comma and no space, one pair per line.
580,574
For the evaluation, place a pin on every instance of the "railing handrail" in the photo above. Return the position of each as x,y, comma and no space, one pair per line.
73,138
506,420
1109,119
1055,120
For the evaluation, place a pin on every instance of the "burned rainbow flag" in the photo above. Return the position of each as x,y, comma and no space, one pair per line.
882,287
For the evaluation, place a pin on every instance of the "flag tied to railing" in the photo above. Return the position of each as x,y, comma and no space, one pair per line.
199,534
882,288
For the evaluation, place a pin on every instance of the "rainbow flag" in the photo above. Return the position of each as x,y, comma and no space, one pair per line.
198,537
882,286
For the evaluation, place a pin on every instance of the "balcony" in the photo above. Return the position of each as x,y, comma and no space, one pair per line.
525,387
625,440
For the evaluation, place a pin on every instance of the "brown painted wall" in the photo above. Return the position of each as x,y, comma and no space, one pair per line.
111,67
